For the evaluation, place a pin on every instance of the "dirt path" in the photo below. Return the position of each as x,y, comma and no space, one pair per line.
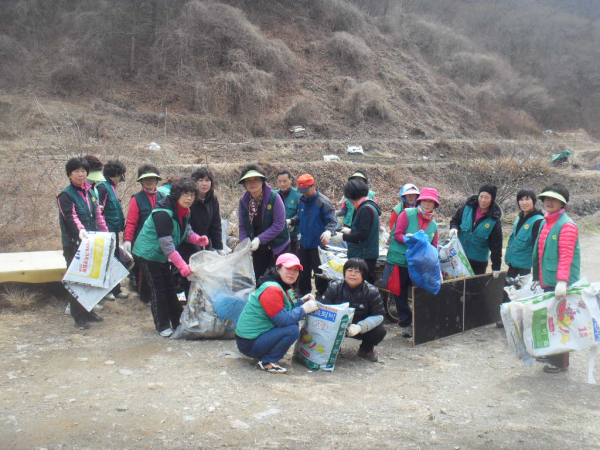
119,385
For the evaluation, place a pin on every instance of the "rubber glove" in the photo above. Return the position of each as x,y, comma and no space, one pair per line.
83,234
310,306
221,252
495,274
346,230
127,247
254,244
337,239
453,233
353,330
307,297
200,241
184,269
561,289
325,237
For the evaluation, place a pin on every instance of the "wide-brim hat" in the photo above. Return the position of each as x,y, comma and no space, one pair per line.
408,189
251,174
96,176
429,194
359,175
554,195
149,175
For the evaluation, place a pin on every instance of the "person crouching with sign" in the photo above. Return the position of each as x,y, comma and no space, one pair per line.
162,234
268,325
365,299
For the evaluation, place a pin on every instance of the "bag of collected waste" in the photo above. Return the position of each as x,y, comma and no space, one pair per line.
423,263
523,287
453,261
219,291
322,335
332,262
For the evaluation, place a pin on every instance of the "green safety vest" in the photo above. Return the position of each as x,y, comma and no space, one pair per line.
550,255
291,207
369,248
281,238
113,211
348,217
86,216
475,241
254,321
147,246
397,250
520,245
145,208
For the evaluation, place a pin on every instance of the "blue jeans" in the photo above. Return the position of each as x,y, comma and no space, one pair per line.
270,346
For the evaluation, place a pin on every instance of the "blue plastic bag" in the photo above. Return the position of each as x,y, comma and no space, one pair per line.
423,263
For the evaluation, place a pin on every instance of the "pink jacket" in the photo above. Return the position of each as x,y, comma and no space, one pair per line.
567,239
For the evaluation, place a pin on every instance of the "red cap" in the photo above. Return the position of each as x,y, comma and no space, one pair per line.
288,260
305,181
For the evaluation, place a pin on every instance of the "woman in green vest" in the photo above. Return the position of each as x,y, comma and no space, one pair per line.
410,221
261,216
479,230
268,325
79,212
408,196
362,237
95,176
156,247
519,251
347,208
556,256
141,205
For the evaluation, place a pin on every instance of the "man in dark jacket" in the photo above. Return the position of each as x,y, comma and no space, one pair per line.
316,218
367,324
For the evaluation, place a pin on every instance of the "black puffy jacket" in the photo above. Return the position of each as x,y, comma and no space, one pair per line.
365,299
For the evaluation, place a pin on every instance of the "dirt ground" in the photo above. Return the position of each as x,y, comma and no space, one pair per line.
121,386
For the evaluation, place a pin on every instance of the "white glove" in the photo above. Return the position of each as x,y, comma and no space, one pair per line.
495,274
221,252
337,239
308,297
453,233
254,244
346,230
381,229
83,234
127,247
288,222
325,237
353,330
310,306
561,289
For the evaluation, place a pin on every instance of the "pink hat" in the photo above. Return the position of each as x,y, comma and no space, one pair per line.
288,260
429,194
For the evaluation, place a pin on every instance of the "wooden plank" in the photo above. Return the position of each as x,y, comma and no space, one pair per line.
32,267
483,296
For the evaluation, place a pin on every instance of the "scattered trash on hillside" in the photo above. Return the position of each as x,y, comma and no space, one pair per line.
298,131
331,158
154,147
355,149
561,158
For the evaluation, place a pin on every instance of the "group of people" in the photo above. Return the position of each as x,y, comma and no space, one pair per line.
286,226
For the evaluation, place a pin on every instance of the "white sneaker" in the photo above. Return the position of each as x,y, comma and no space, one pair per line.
68,310
406,331
166,333
98,307
110,297
122,295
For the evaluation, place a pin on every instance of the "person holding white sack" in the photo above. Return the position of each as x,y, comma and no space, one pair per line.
556,255
157,247
367,324
79,212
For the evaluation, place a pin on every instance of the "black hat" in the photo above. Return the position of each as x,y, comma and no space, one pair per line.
490,189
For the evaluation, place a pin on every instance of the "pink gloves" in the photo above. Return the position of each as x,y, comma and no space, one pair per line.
200,241
184,269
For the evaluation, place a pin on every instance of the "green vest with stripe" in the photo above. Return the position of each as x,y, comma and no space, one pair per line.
475,241
281,238
86,216
369,248
520,244
113,211
254,321
550,255
147,246
291,206
348,217
145,208
397,250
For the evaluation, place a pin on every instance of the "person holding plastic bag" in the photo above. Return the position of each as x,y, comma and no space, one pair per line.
409,222
408,197
346,211
556,255
479,230
79,212
261,215
367,324
156,247
268,325
363,235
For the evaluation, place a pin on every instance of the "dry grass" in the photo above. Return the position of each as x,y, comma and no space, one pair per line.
350,50
368,101
18,297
